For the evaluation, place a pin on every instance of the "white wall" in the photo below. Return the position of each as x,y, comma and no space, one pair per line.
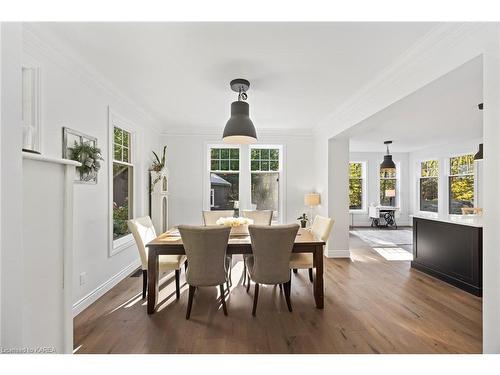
442,154
71,96
373,160
186,161
11,261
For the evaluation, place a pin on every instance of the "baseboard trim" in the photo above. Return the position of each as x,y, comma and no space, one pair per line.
338,253
93,296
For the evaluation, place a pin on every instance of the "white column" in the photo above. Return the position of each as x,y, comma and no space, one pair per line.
338,197
11,246
491,189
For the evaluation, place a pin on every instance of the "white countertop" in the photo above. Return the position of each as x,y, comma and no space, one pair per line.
469,220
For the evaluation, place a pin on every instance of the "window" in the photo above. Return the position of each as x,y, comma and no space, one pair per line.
224,178
461,183
429,172
265,179
122,182
356,186
388,187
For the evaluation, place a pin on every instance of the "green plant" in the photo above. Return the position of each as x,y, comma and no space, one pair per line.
159,164
89,156
303,220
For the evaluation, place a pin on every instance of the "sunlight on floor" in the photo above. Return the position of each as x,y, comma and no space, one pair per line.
393,253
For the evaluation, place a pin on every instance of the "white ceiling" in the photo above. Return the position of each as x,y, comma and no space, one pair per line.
180,72
441,112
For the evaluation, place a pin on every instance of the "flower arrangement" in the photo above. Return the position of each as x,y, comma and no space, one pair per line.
303,220
158,167
234,222
89,156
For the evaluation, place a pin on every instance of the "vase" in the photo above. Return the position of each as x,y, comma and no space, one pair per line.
240,230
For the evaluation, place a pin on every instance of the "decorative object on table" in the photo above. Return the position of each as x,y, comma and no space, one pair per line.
239,225
159,192
303,220
83,148
383,216
388,166
239,128
312,200
30,115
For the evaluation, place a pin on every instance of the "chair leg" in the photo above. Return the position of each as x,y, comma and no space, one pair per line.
244,271
185,266
248,283
287,287
255,298
177,284
144,283
190,301
281,287
295,270
310,274
223,298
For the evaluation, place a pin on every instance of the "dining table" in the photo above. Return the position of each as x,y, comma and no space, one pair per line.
170,243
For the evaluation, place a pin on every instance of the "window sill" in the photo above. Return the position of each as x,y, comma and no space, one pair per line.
358,212
121,244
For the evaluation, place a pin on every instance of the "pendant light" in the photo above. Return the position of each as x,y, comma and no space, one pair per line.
479,154
239,128
388,165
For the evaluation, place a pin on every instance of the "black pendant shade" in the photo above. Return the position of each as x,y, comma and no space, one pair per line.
239,129
388,163
479,154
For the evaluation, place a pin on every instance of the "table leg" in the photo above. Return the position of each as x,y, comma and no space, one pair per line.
153,270
318,280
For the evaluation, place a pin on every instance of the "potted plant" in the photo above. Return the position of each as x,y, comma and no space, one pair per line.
303,220
158,169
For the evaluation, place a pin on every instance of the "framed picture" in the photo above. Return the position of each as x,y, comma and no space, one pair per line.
72,138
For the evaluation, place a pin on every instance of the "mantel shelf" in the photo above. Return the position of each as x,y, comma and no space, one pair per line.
49,159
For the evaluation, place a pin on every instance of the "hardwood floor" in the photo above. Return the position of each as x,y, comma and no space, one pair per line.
371,306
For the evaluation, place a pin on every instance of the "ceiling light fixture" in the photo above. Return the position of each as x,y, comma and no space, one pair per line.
239,128
388,165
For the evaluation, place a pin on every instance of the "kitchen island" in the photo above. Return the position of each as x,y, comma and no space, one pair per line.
450,249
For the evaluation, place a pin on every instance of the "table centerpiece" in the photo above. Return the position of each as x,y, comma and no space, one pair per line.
239,225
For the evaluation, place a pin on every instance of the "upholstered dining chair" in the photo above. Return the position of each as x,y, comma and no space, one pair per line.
205,248
143,231
259,217
270,259
211,217
321,228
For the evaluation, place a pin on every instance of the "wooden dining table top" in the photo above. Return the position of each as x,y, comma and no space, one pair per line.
173,238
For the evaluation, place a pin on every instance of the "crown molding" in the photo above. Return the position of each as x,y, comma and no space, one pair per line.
37,41
217,132
446,39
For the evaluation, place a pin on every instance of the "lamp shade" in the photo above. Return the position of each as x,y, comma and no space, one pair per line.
239,128
388,163
312,199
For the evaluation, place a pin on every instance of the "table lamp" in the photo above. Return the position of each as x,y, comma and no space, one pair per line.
311,200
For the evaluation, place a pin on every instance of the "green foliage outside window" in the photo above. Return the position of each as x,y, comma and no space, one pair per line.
355,186
264,159
225,159
461,183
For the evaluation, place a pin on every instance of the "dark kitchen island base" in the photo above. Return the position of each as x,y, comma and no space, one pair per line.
449,251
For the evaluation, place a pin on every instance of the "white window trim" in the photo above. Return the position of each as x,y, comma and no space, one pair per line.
122,243
418,169
364,197
281,162
398,185
245,175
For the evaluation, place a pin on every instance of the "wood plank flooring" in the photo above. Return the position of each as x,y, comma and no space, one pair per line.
371,306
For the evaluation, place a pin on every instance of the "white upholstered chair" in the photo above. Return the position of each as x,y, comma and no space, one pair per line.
321,228
211,217
143,231
259,217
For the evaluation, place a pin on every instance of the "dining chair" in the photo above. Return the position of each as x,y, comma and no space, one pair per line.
205,247
321,228
259,217
211,217
143,231
270,259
